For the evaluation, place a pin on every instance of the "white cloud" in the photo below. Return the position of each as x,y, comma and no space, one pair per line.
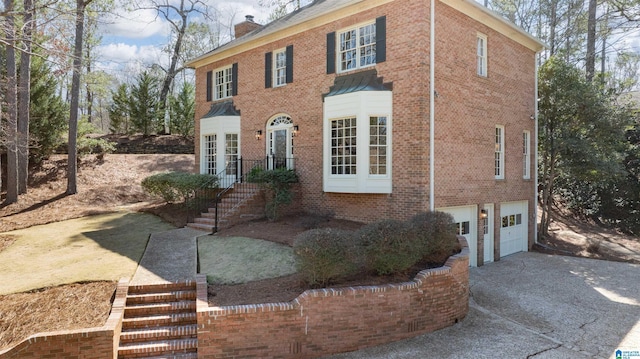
137,24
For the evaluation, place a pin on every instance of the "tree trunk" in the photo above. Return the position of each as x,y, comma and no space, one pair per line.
553,22
12,107
89,98
75,96
590,62
24,98
171,72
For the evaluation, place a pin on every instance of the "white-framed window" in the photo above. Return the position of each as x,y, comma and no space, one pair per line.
357,138
210,153
343,146
357,47
223,83
378,145
526,154
512,220
230,152
280,68
499,152
482,55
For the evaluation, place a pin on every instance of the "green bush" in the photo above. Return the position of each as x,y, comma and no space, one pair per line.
390,246
86,145
177,186
437,236
278,185
326,254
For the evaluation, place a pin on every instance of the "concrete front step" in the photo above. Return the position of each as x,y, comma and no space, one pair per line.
159,333
141,310
148,298
201,227
159,321
158,348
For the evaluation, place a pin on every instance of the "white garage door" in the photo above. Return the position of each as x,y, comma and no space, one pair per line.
467,226
513,227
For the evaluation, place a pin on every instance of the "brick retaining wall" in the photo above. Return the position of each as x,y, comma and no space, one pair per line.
92,343
329,321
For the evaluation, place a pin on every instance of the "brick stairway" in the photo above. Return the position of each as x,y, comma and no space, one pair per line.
243,203
160,322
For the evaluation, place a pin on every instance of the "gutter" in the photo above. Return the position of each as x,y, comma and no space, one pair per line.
535,143
432,91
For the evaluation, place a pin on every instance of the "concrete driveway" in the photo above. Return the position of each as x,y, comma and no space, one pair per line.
531,305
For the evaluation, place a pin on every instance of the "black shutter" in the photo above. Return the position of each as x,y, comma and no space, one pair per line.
331,53
267,69
209,89
381,39
234,79
289,64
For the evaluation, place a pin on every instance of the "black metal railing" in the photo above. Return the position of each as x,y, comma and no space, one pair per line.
234,185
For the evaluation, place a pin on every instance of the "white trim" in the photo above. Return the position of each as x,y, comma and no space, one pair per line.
526,154
535,151
359,105
498,164
274,67
357,59
489,238
228,85
482,58
432,105
218,126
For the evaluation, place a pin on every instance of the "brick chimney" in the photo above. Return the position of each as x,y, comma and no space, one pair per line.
245,27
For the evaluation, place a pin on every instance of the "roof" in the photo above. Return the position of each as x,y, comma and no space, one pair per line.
225,108
321,12
358,81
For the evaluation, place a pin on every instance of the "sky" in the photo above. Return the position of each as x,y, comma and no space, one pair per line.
132,41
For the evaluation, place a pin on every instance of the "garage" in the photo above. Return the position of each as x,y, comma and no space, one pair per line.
513,227
466,226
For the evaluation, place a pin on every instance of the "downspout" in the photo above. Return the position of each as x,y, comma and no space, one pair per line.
432,91
535,173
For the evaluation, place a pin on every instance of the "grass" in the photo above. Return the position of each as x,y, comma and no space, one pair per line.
104,247
235,260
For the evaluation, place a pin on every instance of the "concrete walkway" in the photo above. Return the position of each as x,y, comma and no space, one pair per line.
170,256
531,305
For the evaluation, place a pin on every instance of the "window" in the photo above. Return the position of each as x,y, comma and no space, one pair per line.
499,152
357,47
462,228
378,145
231,153
280,68
224,83
343,146
526,155
482,55
512,220
210,154
357,142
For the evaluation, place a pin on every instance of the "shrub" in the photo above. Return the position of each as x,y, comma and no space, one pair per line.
278,185
86,144
436,234
177,186
390,246
325,255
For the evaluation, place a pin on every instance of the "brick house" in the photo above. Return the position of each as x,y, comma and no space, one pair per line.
340,90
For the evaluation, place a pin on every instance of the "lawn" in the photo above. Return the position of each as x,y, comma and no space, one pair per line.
96,248
235,260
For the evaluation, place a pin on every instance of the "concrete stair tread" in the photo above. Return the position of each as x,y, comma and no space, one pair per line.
157,333
159,320
137,310
173,356
161,297
161,346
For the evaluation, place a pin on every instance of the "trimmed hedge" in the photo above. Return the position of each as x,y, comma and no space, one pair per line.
384,247
177,186
325,255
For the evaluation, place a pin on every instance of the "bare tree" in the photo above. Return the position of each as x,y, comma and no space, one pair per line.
12,104
24,94
72,165
177,14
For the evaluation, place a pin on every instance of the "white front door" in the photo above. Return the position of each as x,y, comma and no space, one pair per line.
466,226
513,227
488,234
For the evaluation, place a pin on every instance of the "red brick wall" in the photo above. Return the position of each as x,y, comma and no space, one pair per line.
92,343
329,321
467,109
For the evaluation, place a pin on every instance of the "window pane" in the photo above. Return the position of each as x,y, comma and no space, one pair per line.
377,145
343,146
210,154
231,153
